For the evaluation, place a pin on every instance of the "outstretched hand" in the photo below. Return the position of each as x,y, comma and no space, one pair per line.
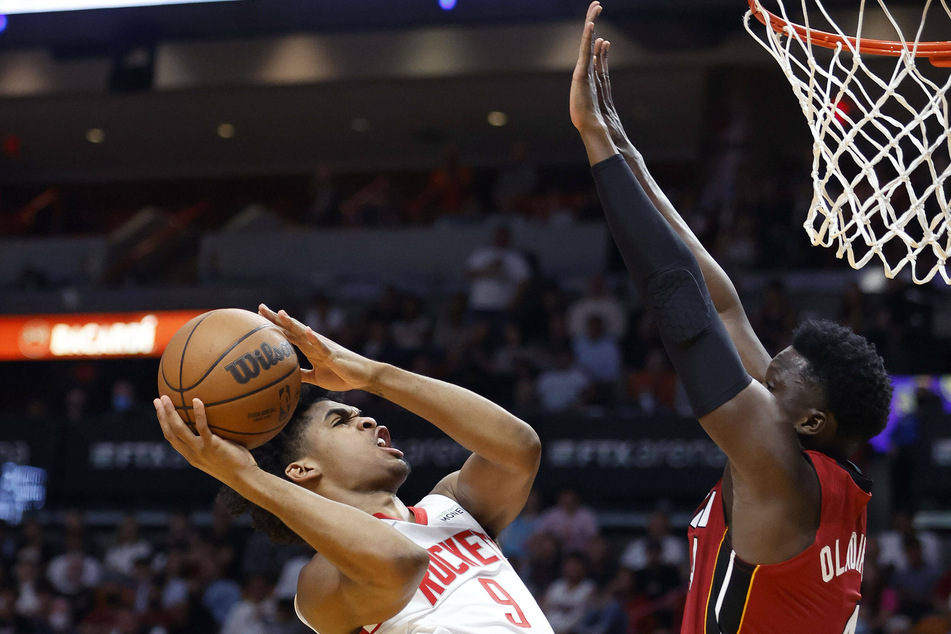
583,99
335,368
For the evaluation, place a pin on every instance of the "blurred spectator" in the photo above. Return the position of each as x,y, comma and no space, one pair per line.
76,401
599,301
655,385
8,544
776,318
673,549
567,598
544,561
323,209
256,612
599,356
447,193
605,614
28,575
450,331
915,582
515,538
515,352
892,542
32,542
379,343
126,548
221,593
123,396
497,273
563,386
411,329
658,585
571,521
324,317
146,593
602,559
10,621
852,308
376,204
515,182
75,573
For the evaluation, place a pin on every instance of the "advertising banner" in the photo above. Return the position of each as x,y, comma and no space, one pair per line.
89,335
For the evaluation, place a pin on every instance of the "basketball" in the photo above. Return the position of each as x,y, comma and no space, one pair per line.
240,366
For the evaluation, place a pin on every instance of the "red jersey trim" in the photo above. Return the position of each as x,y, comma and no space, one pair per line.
420,516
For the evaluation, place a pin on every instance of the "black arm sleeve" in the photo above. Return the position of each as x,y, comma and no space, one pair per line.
668,277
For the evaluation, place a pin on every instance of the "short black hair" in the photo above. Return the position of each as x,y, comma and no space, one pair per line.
850,373
273,457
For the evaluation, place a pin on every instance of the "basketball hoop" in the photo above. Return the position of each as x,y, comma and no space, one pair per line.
882,141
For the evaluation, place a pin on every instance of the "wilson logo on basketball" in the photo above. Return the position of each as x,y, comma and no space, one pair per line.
250,364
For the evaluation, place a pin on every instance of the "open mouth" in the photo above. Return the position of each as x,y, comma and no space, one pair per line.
383,441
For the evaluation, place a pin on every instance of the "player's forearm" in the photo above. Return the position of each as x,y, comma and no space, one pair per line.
722,292
474,422
364,549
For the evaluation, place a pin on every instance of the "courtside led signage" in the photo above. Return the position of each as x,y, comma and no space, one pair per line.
90,335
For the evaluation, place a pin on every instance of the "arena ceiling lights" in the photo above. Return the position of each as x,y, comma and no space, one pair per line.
10,7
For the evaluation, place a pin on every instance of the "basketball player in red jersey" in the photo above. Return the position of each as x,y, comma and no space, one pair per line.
330,479
778,545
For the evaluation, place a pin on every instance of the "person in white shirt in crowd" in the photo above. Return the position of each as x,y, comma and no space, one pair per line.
673,547
600,301
126,548
891,542
497,274
568,597
563,386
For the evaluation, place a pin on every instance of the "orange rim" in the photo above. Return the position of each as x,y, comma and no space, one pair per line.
938,53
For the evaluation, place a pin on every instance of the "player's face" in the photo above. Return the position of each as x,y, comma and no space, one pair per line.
785,379
352,450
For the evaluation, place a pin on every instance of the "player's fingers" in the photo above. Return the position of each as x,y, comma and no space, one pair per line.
605,73
160,414
174,429
201,420
584,52
282,320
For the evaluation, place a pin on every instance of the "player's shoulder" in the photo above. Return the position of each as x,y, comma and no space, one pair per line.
829,468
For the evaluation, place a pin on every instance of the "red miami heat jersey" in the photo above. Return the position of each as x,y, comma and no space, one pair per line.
817,591
470,588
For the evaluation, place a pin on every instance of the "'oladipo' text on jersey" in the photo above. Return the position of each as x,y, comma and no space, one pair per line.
470,588
817,591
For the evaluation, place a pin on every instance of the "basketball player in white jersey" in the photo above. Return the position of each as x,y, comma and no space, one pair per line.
330,479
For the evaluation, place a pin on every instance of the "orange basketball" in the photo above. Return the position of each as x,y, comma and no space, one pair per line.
241,367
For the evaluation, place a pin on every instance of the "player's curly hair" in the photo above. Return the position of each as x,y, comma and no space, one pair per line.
273,457
850,373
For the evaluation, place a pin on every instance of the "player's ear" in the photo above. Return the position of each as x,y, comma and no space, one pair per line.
302,471
816,422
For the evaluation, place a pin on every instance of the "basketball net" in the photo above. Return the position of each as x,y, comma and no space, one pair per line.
882,147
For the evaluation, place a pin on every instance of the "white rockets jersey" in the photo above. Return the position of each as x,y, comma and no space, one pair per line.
470,588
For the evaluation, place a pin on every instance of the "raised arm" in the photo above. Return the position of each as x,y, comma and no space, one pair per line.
365,570
722,291
495,481
739,414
